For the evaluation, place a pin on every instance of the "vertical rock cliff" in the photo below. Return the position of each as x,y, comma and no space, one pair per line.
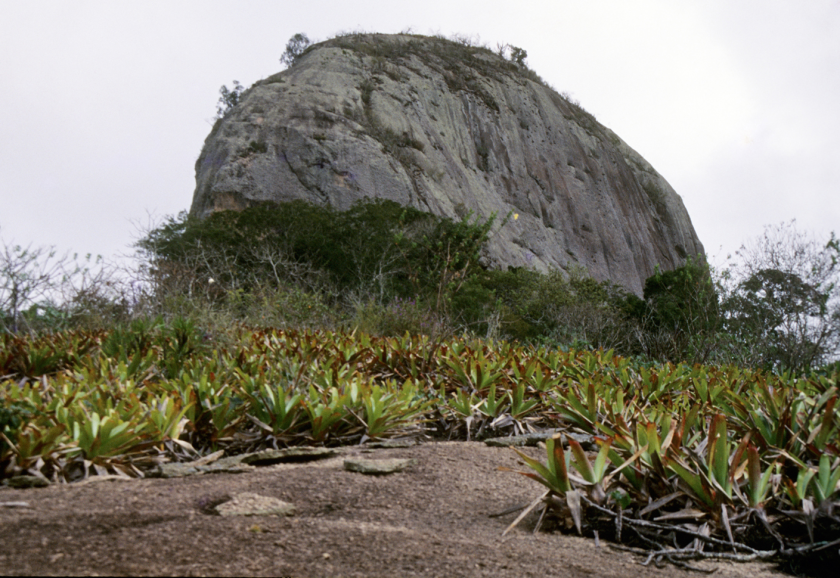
448,128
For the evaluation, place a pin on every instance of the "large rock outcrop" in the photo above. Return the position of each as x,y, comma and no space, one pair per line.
448,128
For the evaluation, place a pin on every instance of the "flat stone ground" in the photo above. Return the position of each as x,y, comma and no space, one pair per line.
430,520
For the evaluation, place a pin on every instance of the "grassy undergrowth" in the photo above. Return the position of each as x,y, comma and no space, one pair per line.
724,461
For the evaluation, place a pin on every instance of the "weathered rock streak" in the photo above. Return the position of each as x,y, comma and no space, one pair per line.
448,128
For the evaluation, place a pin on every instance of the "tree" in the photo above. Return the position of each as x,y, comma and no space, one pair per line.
229,99
26,274
783,302
295,47
518,56
681,313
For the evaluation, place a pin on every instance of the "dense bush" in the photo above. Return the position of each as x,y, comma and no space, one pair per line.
680,317
375,252
557,308
274,244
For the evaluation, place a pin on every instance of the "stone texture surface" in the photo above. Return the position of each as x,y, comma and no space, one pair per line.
15,505
436,519
449,129
250,504
377,467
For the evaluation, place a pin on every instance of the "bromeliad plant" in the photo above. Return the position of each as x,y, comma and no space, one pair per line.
554,475
744,456
565,490
683,447
387,412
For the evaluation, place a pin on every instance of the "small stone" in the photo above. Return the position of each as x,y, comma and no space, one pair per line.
377,467
248,504
230,465
296,454
105,478
208,459
26,482
533,439
214,463
392,444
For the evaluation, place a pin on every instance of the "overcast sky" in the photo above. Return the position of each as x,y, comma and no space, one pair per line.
105,105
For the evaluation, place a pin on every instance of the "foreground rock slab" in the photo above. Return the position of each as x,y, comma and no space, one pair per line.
434,519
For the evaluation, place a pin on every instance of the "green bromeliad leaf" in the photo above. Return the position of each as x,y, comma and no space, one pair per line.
554,474
694,480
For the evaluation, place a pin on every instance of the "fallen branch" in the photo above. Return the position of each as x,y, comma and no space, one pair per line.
762,554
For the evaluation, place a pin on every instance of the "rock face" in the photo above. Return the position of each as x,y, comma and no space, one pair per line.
448,128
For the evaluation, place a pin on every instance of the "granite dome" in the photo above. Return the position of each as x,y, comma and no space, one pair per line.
448,128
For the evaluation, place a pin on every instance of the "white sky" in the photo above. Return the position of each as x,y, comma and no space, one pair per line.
104,105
